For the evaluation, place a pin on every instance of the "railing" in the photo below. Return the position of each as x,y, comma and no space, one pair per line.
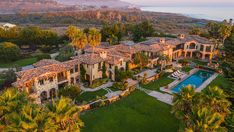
60,79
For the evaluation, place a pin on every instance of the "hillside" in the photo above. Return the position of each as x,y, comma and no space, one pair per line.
12,6
97,3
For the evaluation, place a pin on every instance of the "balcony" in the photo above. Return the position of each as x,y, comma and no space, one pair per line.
62,79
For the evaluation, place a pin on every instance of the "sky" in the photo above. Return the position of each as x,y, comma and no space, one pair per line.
182,2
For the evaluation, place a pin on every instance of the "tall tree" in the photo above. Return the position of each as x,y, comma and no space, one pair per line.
204,111
31,118
30,36
11,100
141,59
9,51
65,114
71,32
79,40
183,103
94,38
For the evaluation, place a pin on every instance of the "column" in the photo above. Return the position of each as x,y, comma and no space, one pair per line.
203,56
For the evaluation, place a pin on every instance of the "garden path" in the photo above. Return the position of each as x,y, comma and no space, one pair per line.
106,85
166,98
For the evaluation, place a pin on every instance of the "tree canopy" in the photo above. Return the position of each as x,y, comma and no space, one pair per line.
205,111
17,113
9,51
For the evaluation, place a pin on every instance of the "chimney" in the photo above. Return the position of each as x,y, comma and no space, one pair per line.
103,54
181,36
162,40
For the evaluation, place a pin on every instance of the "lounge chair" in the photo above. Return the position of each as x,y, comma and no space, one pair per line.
174,75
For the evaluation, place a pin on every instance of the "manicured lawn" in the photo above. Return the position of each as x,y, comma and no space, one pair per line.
155,85
114,89
220,82
89,96
22,62
136,113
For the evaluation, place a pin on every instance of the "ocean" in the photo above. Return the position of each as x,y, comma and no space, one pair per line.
211,13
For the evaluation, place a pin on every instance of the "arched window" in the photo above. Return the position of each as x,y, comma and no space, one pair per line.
52,93
43,96
192,46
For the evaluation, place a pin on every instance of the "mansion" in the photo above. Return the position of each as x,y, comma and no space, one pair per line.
48,76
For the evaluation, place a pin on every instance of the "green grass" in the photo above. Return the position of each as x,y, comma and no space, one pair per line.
137,113
155,85
114,89
187,69
89,96
199,62
220,82
22,62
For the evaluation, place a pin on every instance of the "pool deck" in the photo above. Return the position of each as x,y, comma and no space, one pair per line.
177,81
207,82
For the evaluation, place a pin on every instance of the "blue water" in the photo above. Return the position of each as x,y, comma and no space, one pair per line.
204,12
195,80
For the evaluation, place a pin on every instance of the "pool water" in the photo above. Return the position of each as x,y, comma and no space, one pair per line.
195,80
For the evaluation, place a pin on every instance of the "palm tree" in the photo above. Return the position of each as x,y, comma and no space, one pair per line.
225,31
71,32
31,118
205,120
79,40
141,59
65,114
217,99
11,100
183,103
94,38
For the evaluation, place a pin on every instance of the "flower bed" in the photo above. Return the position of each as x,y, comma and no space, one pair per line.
98,82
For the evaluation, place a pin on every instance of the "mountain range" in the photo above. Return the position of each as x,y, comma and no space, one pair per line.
12,6
96,3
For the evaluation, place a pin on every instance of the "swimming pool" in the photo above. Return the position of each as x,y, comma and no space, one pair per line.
195,80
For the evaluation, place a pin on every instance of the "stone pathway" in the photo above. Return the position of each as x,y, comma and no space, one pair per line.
206,83
106,85
163,97
54,55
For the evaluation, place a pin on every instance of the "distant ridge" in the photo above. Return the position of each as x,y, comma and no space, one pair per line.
29,5
97,3
13,6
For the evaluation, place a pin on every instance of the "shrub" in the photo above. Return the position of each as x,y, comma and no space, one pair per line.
184,62
98,82
70,91
120,85
9,51
65,53
42,56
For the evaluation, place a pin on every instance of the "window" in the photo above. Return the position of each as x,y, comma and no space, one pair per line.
192,46
208,49
202,48
99,66
121,63
41,82
51,79
71,71
76,68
